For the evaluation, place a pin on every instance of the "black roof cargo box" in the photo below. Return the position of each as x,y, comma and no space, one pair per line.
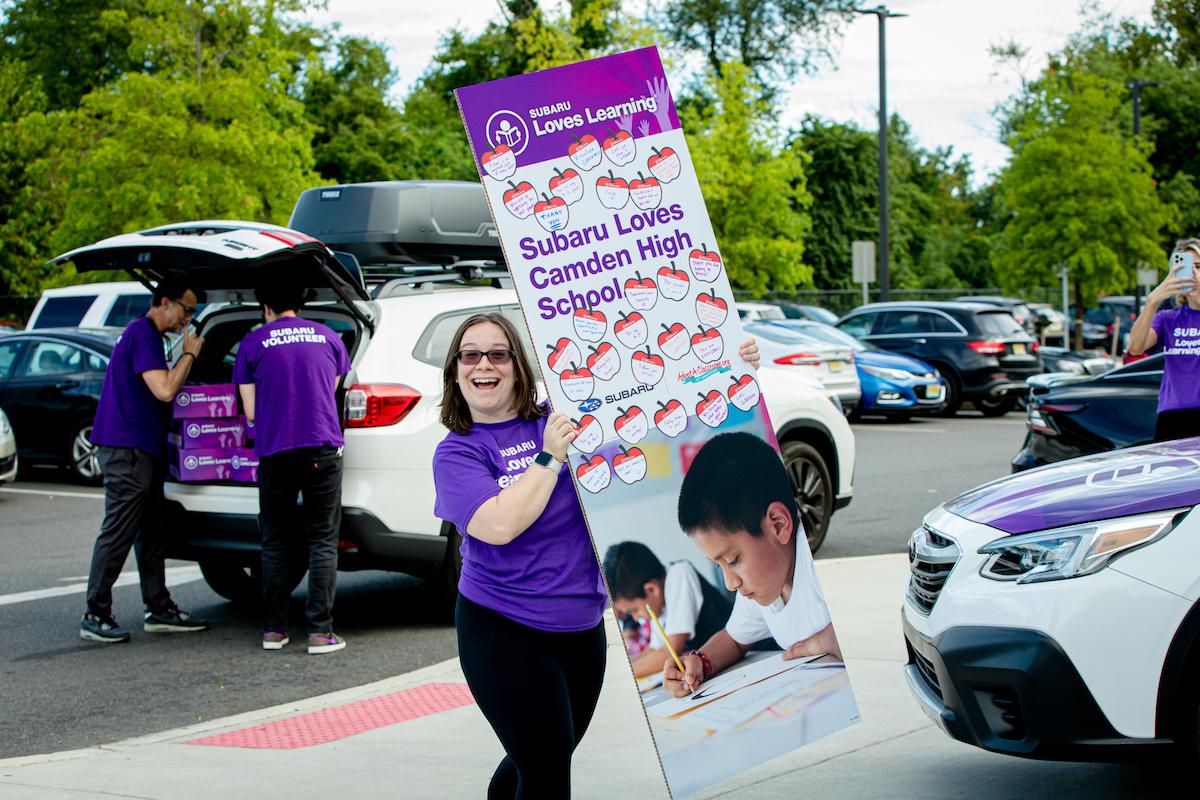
401,222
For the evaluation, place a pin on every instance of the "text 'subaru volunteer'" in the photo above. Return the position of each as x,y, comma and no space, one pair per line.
1178,331
530,639
130,431
287,372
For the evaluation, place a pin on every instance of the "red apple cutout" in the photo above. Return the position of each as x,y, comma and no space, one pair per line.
664,164
520,199
633,424
712,408
647,368
619,147
708,344
551,213
567,184
671,418
705,264
499,163
630,465
646,193
594,474
591,325
744,393
711,310
563,353
585,152
577,383
673,341
588,434
642,293
604,361
631,329
612,191
673,283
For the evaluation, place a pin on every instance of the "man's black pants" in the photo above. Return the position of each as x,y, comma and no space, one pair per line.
133,494
314,473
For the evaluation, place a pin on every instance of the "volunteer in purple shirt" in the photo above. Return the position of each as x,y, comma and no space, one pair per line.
287,372
130,431
530,640
1178,331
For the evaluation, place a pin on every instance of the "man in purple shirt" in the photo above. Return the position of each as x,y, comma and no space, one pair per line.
131,432
287,373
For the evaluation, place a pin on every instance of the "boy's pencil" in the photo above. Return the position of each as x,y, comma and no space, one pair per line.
666,641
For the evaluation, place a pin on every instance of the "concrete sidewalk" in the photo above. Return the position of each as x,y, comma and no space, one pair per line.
451,753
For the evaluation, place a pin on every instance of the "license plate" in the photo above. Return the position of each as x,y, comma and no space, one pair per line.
1018,349
835,366
933,392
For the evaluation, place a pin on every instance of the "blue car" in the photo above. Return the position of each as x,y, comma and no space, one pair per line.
893,385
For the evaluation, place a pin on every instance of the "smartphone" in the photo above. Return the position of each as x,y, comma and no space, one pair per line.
1182,264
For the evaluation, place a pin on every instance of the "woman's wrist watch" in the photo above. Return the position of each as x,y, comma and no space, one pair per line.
544,459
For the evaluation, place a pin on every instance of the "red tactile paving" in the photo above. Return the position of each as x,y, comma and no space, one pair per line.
331,724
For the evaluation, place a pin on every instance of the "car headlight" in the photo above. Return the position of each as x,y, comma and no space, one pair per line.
889,374
1073,551
4,426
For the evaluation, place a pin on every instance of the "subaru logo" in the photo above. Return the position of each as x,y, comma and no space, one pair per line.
590,404
193,430
191,462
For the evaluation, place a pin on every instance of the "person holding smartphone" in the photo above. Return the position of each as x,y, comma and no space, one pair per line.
1178,331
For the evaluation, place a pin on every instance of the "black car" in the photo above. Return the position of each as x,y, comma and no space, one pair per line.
1020,310
980,350
50,383
1079,416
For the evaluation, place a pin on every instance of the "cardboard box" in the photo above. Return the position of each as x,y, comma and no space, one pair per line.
205,401
203,464
191,434
245,465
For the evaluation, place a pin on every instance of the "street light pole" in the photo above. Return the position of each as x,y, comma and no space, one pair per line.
882,14
1135,87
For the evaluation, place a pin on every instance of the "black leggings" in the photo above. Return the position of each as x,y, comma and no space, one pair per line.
537,689
1178,424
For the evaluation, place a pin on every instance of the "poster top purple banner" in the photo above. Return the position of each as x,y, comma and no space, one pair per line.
570,110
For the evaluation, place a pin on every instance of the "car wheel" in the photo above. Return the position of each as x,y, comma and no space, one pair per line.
813,489
83,457
953,392
995,406
242,585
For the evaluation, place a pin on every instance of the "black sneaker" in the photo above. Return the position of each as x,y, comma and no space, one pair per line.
102,629
172,620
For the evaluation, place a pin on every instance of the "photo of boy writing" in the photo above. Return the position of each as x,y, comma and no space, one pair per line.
736,504
690,608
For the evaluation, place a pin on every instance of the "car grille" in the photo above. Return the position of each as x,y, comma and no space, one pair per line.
931,557
927,672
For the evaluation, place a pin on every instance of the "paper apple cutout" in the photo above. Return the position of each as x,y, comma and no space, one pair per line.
673,283
671,418
664,164
631,329
673,341
604,361
500,163
585,152
567,184
591,325
705,264
612,191
646,193
642,293
619,147
711,310
633,425
577,383
520,199
712,408
594,474
551,213
744,393
647,367
588,434
563,353
708,344
630,465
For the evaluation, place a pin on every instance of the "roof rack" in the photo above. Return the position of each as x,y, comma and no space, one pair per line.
418,280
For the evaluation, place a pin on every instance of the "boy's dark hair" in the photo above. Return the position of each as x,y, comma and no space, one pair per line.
174,289
730,483
628,566
280,297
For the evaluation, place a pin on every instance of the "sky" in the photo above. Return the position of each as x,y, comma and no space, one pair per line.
941,78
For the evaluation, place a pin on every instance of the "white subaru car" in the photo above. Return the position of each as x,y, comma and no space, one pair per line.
1052,613
397,334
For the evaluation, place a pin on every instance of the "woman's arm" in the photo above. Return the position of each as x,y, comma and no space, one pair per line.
1142,337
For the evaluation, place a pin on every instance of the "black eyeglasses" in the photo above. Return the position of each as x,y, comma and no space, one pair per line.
494,357
188,311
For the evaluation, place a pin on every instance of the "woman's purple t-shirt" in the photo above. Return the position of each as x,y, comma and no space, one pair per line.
548,577
1178,332
129,415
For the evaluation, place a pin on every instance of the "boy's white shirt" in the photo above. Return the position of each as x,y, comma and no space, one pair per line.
682,598
801,617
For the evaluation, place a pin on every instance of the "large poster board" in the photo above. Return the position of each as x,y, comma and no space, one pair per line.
629,307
